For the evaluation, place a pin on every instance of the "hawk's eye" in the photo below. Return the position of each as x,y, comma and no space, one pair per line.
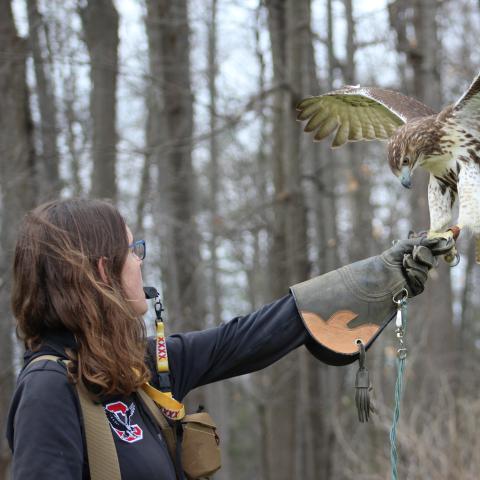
405,161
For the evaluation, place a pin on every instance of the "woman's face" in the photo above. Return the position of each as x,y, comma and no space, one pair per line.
132,282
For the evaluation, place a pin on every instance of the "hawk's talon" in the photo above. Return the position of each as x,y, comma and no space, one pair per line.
451,257
455,229
456,259
446,235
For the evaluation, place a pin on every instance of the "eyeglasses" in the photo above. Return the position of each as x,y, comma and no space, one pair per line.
138,248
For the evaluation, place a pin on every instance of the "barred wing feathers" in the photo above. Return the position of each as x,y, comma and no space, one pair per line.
356,113
466,109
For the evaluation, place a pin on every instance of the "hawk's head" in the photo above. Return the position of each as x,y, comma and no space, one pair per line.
409,146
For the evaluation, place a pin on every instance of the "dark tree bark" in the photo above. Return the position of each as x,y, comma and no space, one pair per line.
298,68
279,438
169,142
169,50
214,171
277,261
143,196
217,394
259,279
298,40
291,440
71,119
48,161
100,24
17,190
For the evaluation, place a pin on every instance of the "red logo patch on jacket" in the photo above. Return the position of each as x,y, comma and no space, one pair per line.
120,418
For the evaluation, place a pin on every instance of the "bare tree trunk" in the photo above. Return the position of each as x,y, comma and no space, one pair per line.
182,271
100,24
214,172
298,68
359,171
290,37
167,22
280,417
217,394
70,118
259,280
278,262
48,162
143,195
75,126
262,175
297,49
156,136
17,190
327,213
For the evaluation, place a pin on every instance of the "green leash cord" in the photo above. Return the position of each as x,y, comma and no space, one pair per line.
400,330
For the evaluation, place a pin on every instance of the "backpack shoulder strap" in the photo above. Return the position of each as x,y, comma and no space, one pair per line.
101,451
167,431
102,454
53,358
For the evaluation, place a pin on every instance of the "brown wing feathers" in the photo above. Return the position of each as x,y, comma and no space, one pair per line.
398,104
358,114
471,98
316,120
328,126
355,127
307,108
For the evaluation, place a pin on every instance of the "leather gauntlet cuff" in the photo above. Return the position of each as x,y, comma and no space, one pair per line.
346,305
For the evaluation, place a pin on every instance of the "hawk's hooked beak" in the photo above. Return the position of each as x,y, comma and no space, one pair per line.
405,177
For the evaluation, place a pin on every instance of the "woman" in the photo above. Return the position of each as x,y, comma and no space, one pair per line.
77,294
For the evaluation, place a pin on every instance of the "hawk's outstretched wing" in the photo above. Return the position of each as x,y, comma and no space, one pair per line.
357,113
467,106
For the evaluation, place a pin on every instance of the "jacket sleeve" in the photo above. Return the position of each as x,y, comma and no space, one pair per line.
242,345
44,426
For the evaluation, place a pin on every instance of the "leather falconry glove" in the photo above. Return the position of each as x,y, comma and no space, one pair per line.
352,305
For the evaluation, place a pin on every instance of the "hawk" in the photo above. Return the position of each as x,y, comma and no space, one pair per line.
446,144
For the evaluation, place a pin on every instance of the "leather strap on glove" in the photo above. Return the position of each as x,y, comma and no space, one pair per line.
354,303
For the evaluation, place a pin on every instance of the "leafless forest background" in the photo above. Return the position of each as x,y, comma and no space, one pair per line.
183,113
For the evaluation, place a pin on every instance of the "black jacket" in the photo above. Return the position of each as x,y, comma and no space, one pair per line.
45,430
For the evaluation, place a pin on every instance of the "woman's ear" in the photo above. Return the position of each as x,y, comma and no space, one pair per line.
102,271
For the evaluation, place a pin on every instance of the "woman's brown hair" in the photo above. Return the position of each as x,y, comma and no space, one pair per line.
57,286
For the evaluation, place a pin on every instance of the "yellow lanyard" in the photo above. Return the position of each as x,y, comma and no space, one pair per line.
161,348
170,407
